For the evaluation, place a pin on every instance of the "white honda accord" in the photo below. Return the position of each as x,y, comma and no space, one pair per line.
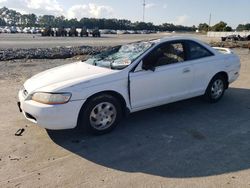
97,93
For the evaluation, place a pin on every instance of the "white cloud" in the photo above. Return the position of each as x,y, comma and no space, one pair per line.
165,6
54,7
19,10
44,6
181,20
90,10
150,5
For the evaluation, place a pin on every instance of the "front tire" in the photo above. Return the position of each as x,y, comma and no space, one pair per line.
216,89
101,114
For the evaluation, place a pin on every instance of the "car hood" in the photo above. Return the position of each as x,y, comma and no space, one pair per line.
79,71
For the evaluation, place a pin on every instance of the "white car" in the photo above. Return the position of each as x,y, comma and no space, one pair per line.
96,93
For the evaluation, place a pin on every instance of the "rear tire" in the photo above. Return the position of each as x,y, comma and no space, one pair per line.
216,89
101,114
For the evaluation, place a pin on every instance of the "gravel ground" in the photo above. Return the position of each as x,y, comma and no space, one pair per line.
185,144
25,41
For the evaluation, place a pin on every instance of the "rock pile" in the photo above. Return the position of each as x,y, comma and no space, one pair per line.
230,44
49,53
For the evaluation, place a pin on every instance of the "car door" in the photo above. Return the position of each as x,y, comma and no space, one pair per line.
204,62
169,81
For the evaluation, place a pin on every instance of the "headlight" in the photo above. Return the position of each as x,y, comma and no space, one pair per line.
51,98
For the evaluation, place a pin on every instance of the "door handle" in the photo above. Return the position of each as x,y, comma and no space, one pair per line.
186,70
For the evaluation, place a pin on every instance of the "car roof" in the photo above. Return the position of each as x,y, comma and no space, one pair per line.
171,38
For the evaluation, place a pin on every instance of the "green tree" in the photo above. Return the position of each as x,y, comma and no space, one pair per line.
15,18
46,20
59,22
242,27
12,17
221,26
203,27
228,28
247,26
28,20
32,20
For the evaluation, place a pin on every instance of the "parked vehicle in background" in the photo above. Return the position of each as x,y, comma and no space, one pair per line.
121,32
19,30
61,32
132,32
39,30
107,31
96,33
6,29
73,32
26,30
13,29
96,93
33,30
84,32
48,31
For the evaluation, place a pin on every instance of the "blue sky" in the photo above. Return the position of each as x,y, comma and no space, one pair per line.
185,12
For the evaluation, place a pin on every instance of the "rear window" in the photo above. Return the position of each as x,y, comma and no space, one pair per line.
196,51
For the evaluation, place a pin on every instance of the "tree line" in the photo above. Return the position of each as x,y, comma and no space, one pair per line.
31,20
243,27
15,18
221,26
9,17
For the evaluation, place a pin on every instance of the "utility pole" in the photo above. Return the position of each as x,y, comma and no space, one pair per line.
209,22
143,14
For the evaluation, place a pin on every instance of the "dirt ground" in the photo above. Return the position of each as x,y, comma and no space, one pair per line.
36,41
185,144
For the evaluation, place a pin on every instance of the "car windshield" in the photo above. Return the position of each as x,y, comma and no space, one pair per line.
119,57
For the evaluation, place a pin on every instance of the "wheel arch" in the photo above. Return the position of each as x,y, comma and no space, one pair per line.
117,95
224,75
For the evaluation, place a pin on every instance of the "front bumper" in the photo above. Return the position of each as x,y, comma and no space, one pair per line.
54,117
233,75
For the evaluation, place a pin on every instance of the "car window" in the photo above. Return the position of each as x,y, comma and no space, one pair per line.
166,54
196,51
